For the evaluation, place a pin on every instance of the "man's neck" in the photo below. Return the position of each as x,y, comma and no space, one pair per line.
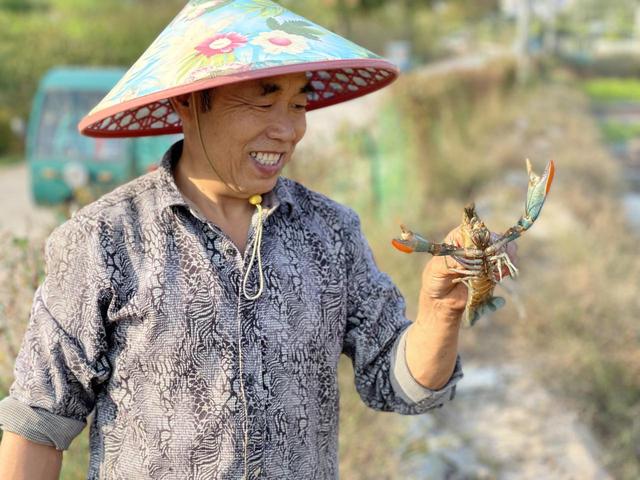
198,183
213,199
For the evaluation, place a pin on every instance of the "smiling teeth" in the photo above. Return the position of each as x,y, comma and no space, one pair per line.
266,158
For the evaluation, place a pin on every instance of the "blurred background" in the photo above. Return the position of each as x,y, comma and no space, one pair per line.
552,381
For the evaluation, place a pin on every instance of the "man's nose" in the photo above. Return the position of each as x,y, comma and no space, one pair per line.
283,127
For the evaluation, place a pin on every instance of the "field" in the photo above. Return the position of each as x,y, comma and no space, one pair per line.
575,308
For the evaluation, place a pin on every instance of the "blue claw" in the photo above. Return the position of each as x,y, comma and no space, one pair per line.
536,193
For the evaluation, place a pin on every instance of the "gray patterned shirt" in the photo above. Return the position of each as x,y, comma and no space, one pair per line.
141,316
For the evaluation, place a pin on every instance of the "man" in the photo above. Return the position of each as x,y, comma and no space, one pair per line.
202,308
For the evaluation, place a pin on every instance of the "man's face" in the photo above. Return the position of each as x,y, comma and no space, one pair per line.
252,129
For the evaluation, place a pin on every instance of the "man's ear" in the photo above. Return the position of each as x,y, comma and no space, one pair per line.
182,105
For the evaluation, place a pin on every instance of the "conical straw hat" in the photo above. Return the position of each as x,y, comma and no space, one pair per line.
217,42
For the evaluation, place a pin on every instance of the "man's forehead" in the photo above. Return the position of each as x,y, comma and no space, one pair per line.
265,86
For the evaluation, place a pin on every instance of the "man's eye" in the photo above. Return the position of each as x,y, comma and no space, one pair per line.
299,106
265,106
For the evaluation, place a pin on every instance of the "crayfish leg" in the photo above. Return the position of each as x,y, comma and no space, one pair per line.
501,259
471,273
468,262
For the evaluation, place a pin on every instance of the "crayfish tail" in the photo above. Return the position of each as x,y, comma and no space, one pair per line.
473,313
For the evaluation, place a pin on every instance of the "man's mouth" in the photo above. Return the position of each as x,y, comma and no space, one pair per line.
267,158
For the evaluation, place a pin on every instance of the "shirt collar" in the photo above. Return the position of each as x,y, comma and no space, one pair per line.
170,195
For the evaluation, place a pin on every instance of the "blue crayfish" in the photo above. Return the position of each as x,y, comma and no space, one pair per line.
481,255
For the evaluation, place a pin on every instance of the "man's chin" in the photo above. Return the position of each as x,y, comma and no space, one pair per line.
260,187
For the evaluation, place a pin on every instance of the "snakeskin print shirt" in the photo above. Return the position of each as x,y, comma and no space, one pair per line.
141,318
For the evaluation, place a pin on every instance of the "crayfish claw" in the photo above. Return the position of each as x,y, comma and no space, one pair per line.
407,241
410,242
533,177
405,233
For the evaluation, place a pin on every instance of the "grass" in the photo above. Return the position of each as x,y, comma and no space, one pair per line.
619,132
579,263
21,271
586,331
75,463
6,160
613,89
370,442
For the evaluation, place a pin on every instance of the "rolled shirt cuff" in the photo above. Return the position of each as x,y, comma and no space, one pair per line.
38,425
407,387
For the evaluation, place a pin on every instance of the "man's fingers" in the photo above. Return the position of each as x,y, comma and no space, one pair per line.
455,236
438,282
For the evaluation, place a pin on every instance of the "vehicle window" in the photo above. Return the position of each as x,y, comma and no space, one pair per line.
58,133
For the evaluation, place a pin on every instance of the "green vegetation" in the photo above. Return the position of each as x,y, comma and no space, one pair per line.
587,336
109,33
10,160
613,90
618,132
620,65
460,147
58,32
76,460
615,18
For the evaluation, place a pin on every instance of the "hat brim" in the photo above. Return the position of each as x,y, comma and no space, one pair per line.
333,82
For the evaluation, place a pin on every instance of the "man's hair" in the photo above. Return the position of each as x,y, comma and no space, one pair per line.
205,100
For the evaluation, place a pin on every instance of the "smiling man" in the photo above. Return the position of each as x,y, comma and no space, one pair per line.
200,310
252,128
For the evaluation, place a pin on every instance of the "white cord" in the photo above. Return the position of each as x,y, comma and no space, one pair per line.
245,425
254,200
257,244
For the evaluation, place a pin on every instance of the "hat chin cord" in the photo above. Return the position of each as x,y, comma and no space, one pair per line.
255,200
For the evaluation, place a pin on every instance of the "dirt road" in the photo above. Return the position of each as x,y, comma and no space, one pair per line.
20,216
503,425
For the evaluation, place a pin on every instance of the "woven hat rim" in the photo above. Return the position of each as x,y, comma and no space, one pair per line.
89,120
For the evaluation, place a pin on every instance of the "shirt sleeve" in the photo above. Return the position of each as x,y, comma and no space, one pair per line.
62,360
375,336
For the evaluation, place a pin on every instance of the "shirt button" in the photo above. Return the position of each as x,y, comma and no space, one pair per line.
231,252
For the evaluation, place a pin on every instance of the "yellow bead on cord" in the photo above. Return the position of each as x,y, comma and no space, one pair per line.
255,200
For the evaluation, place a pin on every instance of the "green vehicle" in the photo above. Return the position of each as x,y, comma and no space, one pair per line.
68,167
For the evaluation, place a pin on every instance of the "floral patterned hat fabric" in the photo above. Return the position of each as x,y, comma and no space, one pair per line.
217,42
